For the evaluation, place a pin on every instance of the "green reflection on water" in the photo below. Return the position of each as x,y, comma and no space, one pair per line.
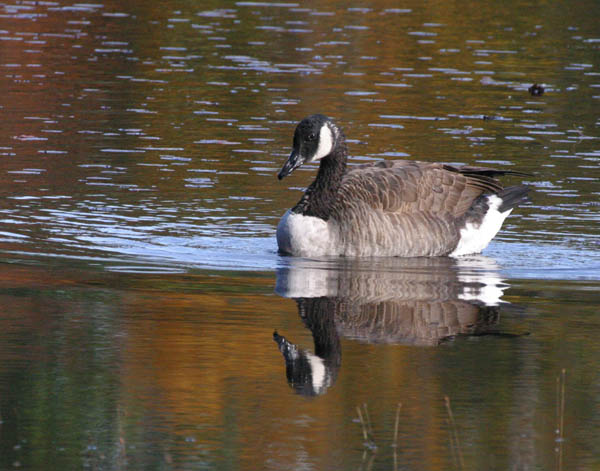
144,376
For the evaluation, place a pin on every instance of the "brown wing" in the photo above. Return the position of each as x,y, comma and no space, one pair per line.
409,186
415,206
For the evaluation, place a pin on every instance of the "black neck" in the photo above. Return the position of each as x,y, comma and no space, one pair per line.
322,193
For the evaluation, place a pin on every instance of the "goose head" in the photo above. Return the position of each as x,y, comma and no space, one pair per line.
315,137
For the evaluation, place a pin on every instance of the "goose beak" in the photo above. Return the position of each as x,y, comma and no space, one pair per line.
293,162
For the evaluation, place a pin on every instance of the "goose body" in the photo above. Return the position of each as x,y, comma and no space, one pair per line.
389,208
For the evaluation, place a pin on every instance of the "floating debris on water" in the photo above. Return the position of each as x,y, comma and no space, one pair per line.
536,90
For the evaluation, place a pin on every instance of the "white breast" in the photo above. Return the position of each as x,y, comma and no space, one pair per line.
305,236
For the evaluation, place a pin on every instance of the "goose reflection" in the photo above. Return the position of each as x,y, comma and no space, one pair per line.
419,301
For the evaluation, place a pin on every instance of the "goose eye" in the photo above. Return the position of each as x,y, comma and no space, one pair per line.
311,137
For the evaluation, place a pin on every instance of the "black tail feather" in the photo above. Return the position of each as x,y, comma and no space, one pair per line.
513,196
488,172
485,178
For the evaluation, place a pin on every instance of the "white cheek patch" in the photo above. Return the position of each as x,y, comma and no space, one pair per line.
325,143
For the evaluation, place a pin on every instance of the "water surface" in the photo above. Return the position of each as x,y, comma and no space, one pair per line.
140,282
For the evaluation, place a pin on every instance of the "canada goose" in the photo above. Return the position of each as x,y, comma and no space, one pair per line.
389,208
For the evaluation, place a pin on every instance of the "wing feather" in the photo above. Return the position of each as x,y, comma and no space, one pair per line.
416,205
410,186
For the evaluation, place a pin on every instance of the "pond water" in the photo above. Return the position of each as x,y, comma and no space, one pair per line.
147,321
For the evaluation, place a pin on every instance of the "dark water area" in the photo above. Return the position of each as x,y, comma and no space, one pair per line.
146,319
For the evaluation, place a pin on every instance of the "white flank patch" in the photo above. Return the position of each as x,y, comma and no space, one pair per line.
318,373
304,236
473,238
325,143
